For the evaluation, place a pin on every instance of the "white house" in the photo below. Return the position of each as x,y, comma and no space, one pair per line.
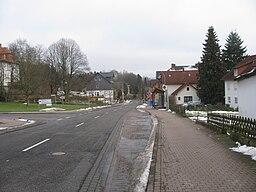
240,87
245,76
180,84
101,87
9,71
231,92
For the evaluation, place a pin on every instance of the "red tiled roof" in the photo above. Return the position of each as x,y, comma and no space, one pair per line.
246,61
179,77
229,75
246,67
5,54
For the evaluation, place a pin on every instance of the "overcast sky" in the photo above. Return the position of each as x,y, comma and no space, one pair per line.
139,36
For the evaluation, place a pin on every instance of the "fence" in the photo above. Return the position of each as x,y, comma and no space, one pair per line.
233,124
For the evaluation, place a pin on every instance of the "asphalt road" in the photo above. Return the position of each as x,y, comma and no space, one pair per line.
63,153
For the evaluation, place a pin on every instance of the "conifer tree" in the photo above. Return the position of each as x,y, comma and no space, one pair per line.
211,70
233,51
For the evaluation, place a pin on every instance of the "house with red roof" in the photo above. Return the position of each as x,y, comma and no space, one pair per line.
240,87
9,70
180,85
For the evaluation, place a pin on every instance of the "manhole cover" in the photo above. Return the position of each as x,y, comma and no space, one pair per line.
58,153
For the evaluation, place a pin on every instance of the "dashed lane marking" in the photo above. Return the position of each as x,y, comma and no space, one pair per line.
35,145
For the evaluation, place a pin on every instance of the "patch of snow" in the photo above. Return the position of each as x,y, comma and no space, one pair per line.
226,112
143,106
198,119
147,158
246,150
28,122
52,109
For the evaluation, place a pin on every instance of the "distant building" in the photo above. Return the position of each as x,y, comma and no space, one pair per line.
101,87
9,70
179,82
240,87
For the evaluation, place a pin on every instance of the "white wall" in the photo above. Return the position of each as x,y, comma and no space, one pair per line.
108,94
247,97
231,94
192,92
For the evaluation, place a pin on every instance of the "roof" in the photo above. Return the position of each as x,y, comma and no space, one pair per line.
5,55
98,82
178,77
229,75
246,61
181,87
246,68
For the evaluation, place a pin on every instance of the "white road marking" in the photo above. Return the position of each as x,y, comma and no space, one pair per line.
59,119
79,124
24,150
68,117
96,117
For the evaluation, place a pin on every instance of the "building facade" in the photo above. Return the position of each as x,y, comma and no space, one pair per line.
179,85
9,70
101,87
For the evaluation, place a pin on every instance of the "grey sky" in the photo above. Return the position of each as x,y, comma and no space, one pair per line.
139,36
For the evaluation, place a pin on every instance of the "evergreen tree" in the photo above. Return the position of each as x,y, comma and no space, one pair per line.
211,70
233,52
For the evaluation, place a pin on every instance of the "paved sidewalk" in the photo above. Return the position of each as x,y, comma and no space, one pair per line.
190,157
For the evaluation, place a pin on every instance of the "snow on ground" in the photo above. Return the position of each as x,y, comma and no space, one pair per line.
246,150
143,106
28,122
202,115
52,109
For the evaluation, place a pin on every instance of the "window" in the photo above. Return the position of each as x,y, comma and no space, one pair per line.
235,85
229,99
188,98
236,100
179,98
187,88
228,85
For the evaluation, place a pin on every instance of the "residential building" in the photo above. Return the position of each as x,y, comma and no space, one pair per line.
245,76
101,87
9,70
179,85
240,87
231,92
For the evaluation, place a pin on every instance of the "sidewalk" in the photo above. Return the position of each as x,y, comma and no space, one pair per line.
7,125
189,157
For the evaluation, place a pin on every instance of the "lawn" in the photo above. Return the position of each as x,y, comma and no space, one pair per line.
21,107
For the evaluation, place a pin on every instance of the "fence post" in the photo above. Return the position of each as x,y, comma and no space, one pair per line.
223,125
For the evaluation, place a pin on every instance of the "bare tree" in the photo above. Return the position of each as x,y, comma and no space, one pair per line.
67,58
29,59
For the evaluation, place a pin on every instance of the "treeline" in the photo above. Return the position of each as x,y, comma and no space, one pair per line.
60,68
